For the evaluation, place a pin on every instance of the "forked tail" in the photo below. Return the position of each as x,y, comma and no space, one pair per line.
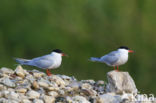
95,59
22,61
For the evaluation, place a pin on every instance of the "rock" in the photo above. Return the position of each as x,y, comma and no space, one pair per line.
53,93
2,87
6,81
59,81
43,83
53,88
5,70
100,82
22,86
67,79
86,86
13,95
25,101
75,85
30,78
20,71
79,99
38,101
120,82
4,93
21,90
33,94
88,92
38,74
3,100
35,85
60,100
69,99
61,92
107,98
49,99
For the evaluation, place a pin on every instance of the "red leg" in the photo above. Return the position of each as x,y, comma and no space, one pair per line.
117,68
48,72
114,67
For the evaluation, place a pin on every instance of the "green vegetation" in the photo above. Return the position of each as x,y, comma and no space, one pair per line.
82,28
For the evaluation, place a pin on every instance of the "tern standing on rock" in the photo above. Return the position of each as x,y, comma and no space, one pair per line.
114,58
50,61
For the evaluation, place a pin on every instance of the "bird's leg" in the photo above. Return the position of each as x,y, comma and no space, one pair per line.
48,72
114,67
117,68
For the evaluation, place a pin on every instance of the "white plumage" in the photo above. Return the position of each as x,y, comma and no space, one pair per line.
114,58
50,61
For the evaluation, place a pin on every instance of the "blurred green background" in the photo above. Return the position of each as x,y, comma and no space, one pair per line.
82,28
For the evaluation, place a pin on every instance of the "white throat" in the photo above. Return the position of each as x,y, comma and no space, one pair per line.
123,57
57,59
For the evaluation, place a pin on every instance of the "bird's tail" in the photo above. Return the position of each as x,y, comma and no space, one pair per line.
94,59
22,61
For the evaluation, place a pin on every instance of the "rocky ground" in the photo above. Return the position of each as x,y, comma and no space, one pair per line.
22,86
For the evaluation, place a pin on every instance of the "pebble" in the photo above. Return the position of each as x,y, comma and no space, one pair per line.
53,93
35,85
25,101
5,70
38,74
21,90
75,85
43,84
60,82
6,81
79,99
107,98
49,99
22,86
33,94
20,71
38,101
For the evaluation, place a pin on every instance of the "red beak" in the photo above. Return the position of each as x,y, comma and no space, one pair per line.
130,51
63,54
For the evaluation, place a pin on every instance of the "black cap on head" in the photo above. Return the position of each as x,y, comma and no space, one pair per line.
123,47
57,51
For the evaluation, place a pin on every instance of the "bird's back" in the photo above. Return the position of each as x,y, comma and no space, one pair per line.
47,61
111,58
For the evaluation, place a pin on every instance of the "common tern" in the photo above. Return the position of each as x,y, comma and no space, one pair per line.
50,61
114,58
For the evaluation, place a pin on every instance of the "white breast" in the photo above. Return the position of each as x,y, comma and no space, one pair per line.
56,61
123,58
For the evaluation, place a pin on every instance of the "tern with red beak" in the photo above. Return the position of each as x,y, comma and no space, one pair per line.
114,58
50,61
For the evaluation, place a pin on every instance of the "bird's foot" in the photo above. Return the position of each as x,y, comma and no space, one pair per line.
48,72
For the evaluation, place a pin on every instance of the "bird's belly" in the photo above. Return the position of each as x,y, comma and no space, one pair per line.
54,66
121,61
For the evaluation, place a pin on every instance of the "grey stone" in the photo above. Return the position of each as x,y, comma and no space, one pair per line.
38,101
79,99
120,82
107,98
5,70
36,87
20,71
33,94
48,99
6,81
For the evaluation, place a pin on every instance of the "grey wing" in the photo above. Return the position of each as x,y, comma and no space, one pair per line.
42,62
111,58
